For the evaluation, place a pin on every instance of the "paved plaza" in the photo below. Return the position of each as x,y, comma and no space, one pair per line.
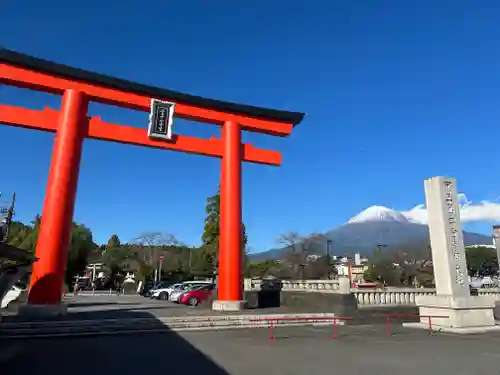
296,351
309,350
94,307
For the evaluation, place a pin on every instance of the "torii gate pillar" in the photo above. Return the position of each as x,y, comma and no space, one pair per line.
230,292
57,215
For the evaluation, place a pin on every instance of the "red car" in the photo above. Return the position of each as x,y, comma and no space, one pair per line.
195,296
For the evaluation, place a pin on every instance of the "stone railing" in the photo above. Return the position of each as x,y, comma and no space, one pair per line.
389,296
311,285
325,286
404,296
494,292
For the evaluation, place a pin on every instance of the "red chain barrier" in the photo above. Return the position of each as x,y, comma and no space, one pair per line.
272,322
388,318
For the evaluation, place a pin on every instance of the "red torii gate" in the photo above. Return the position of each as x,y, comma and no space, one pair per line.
72,125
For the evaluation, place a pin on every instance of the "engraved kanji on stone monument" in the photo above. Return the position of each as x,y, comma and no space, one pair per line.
448,251
455,231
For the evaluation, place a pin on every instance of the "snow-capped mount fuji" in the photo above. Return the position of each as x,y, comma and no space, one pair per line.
377,225
378,213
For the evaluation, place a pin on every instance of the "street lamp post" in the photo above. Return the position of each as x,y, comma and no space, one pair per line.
160,266
328,248
329,256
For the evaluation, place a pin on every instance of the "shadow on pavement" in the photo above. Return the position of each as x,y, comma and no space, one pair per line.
135,353
111,303
90,304
112,313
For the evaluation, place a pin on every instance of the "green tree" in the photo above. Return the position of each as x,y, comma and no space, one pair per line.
29,242
115,257
320,268
18,233
264,268
425,275
481,261
382,269
202,262
81,246
211,233
113,242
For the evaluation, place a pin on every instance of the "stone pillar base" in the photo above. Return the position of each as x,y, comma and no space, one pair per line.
37,311
228,306
465,314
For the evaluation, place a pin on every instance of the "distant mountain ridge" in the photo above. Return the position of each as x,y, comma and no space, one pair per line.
377,225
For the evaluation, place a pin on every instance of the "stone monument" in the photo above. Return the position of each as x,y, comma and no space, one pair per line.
465,314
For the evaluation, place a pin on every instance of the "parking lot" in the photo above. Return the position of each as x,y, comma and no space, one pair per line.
110,306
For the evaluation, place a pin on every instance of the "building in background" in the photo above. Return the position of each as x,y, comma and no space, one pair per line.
354,269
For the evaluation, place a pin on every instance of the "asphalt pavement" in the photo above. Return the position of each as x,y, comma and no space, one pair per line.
295,351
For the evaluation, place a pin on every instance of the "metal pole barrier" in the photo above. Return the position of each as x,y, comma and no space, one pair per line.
430,325
388,325
271,335
334,328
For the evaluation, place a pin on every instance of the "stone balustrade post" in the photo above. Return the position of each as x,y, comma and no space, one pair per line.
344,285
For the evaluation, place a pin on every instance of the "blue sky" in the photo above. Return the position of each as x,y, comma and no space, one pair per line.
394,91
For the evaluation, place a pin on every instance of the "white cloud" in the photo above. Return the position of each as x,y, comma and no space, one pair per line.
469,212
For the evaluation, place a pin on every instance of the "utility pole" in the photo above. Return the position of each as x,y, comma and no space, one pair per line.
189,262
329,256
160,266
328,248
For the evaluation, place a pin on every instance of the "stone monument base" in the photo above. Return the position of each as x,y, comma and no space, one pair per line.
42,310
464,314
228,306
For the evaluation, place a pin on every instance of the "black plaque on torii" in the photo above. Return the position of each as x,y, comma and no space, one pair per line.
161,119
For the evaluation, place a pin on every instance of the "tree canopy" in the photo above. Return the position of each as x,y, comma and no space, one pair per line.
81,244
401,266
481,261
211,233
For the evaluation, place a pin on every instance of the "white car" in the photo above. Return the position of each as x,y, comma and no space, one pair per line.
165,293
11,295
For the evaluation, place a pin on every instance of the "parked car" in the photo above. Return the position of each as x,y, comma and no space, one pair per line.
151,287
175,295
12,295
196,296
164,293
